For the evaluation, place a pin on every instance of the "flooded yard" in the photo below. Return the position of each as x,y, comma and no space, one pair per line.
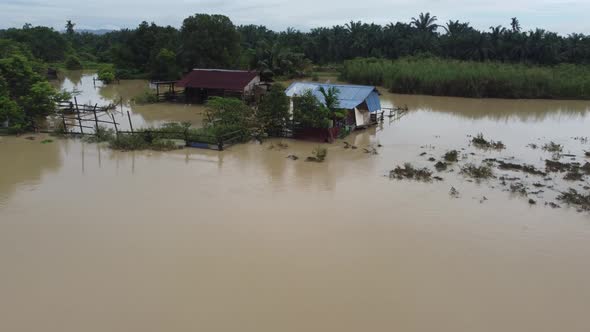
247,239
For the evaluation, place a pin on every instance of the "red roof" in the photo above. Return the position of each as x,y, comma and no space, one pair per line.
217,79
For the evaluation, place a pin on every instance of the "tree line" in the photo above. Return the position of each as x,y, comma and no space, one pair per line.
164,52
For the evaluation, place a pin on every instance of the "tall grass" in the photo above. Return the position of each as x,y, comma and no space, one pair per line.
442,77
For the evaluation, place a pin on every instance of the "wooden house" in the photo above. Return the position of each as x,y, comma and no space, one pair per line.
200,84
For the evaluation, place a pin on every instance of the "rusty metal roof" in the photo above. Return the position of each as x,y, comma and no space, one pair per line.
222,79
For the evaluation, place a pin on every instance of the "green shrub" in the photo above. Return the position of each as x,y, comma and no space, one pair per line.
106,73
128,142
73,62
146,97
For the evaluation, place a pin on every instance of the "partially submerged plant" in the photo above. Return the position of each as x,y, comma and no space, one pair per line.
319,154
410,172
480,142
477,172
440,166
572,197
553,147
454,193
451,156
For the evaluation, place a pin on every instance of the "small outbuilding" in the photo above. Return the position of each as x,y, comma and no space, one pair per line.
360,100
200,84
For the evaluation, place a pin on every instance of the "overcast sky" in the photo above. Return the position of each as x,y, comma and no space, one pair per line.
563,16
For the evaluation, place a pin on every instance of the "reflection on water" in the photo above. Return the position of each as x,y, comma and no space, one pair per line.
89,91
495,109
98,240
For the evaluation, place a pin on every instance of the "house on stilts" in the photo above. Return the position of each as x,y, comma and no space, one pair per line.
361,103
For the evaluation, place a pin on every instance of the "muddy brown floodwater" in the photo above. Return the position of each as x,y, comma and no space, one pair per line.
247,240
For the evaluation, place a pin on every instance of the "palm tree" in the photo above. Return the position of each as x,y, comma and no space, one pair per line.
425,22
515,24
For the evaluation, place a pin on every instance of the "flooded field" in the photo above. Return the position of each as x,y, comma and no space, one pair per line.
248,240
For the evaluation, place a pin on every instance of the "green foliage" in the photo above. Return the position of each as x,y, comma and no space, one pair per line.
309,113
106,73
164,66
471,79
40,101
43,42
229,115
146,97
209,41
273,111
24,93
73,62
129,142
10,113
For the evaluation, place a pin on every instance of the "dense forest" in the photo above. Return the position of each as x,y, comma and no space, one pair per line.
499,62
214,41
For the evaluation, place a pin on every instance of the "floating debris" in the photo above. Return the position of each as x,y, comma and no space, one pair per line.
30,138
532,201
422,154
432,159
533,146
437,178
292,157
46,141
409,172
346,145
553,205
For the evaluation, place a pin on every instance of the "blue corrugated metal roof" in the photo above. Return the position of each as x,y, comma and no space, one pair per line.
349,96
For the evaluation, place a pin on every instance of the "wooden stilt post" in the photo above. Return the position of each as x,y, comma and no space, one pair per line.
79,117
130,123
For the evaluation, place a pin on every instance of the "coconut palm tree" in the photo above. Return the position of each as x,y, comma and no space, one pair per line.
425,22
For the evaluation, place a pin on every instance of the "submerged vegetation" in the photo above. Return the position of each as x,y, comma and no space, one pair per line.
445,77
408,171
574,198
319,154
477,172
481,142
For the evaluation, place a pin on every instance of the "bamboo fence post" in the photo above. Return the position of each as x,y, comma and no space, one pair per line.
115,124
79,117
130,124
95,118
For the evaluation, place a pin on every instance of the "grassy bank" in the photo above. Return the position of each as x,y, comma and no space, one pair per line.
441,77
